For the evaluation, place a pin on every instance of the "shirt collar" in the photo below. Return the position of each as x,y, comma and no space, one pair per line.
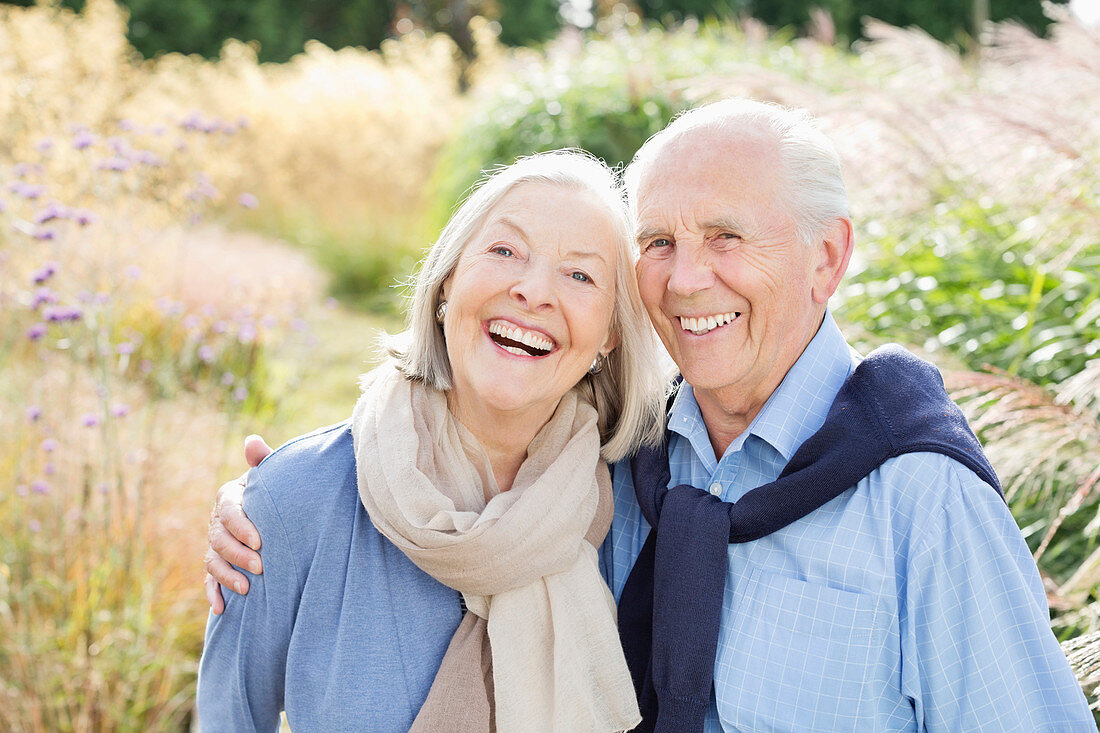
795,410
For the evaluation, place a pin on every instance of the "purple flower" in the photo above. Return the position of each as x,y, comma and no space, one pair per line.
118,144
49,469
34,412
103,487
269,322
159,130
85,296
192,121
52,211
45,235
206,353
133,272
240,394
49,445
42,296
62,314
102,298
125,348
83,139
40,487
126,125
27,190
34,526
44,273
299,324
219,327
247,333
242,122
191,322
3,206
83,217
36,332
149,158
116,163
120,410
44,144
228,379
248,201
89,420
145,366
22,170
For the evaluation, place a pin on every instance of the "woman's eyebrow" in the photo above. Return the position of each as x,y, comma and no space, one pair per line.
585,255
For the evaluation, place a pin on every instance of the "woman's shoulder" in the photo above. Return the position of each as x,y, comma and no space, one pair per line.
304,485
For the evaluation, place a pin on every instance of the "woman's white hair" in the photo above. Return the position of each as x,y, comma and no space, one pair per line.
629,391
815,195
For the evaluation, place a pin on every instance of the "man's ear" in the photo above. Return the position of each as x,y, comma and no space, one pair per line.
833,251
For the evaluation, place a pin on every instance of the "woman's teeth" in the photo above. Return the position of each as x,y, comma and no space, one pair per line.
704,324
518,341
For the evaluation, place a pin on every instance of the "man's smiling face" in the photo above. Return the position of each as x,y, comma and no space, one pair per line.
723,275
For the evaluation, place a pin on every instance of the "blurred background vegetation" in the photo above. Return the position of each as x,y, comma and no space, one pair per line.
208,209
281,28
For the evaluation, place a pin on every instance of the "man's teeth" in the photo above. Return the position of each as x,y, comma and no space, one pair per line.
703,324
535,341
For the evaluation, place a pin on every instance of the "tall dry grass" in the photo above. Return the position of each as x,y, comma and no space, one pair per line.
135,330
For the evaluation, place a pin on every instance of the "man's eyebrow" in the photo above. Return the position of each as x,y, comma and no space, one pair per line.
647,231
725,222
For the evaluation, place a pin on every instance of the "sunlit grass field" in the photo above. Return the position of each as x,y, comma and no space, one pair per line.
194,250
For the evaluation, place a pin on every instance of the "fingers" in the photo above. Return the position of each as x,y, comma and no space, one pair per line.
214,595
229,513
255,450
230,550
224,573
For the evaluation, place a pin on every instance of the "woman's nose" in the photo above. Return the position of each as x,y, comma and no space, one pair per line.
535,287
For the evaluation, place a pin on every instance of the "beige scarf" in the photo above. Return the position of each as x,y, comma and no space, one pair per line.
538,649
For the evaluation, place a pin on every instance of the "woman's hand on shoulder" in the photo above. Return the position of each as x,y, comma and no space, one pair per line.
231,534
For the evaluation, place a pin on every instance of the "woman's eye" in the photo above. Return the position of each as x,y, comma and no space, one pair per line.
580,277
500,249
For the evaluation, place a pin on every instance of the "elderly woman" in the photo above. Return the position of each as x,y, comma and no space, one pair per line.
471,475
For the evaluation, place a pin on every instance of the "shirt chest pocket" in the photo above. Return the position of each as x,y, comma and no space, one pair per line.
796,656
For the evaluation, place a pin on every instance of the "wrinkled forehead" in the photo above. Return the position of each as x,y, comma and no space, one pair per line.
708,169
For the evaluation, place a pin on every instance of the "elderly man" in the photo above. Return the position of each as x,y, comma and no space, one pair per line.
908,602
903,598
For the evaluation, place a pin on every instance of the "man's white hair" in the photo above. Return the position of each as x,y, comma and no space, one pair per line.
813,185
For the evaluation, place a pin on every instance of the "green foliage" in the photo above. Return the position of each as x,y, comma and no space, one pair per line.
968,278
526,22
944,21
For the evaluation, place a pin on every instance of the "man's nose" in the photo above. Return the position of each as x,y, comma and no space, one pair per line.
691,272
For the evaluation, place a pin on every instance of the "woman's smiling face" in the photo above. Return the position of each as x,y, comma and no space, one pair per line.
530,302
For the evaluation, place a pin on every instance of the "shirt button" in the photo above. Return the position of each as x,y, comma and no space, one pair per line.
716,489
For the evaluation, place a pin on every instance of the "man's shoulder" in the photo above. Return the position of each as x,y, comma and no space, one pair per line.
920,488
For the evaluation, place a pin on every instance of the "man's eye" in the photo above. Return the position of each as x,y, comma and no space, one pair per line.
658,243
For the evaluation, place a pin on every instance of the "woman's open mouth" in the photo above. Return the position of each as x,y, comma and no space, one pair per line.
519,341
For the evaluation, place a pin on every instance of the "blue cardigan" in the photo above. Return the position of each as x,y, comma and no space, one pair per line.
341,629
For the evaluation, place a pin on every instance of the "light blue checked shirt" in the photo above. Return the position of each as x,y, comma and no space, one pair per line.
908,603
